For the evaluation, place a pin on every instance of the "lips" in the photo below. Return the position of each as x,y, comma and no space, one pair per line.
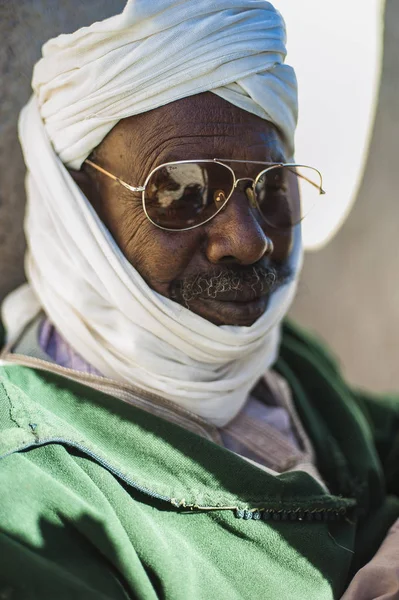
236,296
231,313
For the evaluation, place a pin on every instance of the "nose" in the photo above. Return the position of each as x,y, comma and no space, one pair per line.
235,234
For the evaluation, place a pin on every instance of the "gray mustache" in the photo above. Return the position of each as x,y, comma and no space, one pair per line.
231,285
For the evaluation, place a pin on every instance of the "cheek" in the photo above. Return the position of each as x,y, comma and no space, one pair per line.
282,242
159,256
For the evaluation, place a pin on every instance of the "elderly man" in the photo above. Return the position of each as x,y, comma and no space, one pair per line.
160,438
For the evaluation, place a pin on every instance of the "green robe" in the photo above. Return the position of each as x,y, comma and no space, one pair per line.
102,500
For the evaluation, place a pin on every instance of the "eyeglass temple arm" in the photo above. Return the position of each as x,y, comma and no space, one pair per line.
108,174
319,187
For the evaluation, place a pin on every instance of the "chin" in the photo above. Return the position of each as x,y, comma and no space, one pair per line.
240,314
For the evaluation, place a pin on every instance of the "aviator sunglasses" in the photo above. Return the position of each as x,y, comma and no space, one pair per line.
182,195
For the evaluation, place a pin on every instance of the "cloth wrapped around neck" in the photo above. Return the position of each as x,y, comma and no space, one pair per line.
151,54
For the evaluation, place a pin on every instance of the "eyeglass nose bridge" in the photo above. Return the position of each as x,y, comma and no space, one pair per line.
250,192
237,181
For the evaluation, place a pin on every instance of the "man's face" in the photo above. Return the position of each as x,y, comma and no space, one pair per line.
221,270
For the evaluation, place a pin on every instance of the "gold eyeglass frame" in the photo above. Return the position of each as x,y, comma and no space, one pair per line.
221,161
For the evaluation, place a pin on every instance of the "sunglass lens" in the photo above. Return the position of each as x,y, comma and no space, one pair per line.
285,195
183,195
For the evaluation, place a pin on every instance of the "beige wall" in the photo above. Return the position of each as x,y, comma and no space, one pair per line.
349,291
24,26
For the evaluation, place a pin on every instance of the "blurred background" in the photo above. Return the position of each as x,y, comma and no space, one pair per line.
349,292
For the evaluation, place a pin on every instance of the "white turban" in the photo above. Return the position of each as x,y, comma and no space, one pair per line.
158,51
155,52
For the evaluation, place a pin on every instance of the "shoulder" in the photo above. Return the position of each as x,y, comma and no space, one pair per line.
306,358
51,512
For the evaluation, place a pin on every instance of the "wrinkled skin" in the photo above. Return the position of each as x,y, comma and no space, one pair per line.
202,126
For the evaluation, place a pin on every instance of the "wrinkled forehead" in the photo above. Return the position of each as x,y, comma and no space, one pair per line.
201,126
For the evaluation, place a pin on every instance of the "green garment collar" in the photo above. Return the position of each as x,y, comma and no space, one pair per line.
157,458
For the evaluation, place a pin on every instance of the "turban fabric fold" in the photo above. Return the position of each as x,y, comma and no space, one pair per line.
153,53
158,51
